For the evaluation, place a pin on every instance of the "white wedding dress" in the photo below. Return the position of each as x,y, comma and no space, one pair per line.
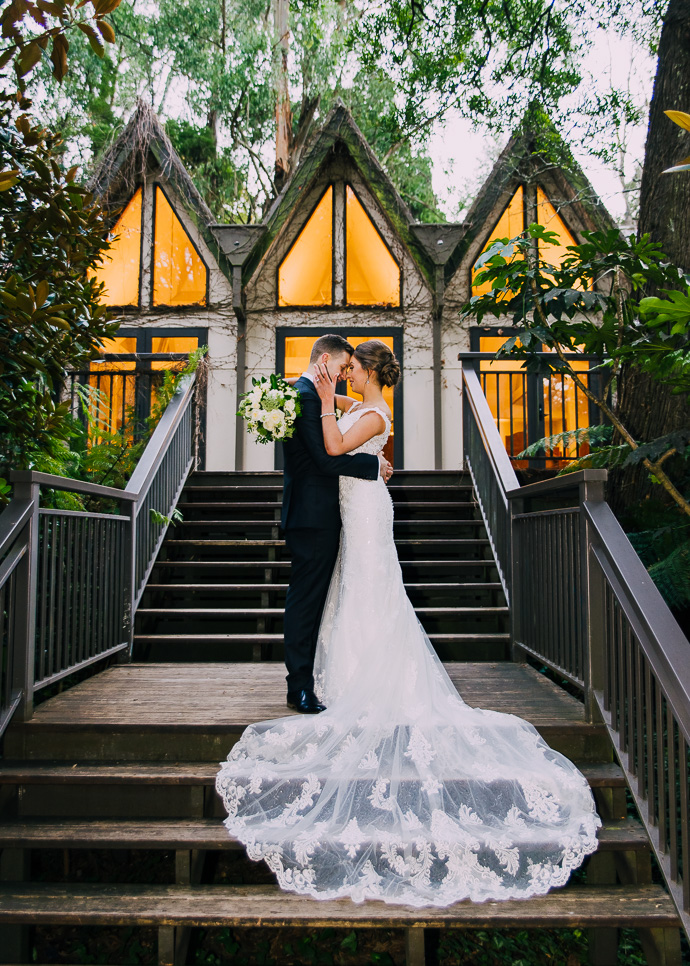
399,791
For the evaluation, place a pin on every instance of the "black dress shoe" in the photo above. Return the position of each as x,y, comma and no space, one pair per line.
305,702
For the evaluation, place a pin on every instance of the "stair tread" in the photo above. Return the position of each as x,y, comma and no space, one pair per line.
273,611
223,698
598,774
286,563
646,905
272,523
206,833
260,637
272,542
276,587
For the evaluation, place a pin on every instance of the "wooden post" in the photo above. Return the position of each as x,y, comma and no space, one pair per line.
414,946
130,508
24,629
593,615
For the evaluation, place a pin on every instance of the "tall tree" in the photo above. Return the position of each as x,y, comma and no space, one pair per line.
651,410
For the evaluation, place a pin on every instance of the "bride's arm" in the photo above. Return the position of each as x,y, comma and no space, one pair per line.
344,402
370,424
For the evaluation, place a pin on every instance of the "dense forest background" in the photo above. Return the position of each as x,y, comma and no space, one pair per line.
212,69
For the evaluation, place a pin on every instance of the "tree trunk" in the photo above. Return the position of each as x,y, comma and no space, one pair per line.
646,407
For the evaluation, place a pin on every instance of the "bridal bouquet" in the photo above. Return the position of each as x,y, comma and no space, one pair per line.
270,409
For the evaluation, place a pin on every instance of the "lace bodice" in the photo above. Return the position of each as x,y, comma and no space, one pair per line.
376,443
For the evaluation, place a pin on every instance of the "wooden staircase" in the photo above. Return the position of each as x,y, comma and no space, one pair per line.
125,761
218,588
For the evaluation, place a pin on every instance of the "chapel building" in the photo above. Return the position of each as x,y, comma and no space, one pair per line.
338,251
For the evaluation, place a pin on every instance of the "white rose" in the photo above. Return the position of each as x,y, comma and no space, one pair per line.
290,405
274,420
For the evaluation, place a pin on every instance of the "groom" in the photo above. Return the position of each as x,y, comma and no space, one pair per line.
311,519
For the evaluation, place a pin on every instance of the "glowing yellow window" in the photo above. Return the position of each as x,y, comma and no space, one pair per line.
114,402
305,276
372,276
552,221
504,382
510,224
179,275
121,263
298,350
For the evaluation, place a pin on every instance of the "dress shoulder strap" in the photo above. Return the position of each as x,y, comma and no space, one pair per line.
357,408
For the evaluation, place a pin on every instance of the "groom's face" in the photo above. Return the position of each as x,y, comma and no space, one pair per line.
338,365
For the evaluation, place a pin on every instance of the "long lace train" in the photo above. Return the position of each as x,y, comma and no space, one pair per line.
400,791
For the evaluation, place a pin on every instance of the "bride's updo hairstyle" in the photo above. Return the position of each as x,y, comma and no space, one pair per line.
375,356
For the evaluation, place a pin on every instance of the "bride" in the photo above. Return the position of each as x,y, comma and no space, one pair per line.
398,791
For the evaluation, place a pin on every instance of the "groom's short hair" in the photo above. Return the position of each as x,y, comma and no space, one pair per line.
332,344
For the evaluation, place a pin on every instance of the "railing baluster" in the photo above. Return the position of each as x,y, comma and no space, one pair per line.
672,792
662,783
684,818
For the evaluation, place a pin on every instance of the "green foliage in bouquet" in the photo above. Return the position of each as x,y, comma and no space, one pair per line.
270,409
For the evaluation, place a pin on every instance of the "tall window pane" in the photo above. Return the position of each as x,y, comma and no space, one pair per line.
305,276
510,224
372,275
551,220
179,274
122,262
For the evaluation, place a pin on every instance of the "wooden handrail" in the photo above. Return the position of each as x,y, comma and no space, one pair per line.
661,639
558,484
152,456
74,486
495,449
114,561
576,575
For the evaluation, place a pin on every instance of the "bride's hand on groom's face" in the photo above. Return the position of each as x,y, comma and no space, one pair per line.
324,384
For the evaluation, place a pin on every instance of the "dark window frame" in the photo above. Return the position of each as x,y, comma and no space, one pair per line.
284,331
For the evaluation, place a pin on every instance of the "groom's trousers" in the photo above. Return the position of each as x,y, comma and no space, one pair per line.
313,554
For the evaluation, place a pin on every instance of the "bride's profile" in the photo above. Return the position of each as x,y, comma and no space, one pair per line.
399,790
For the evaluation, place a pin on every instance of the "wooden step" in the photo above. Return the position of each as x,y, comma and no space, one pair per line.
173,611
225,698
244,906
203,833
260,638
424,542
277,588
598,774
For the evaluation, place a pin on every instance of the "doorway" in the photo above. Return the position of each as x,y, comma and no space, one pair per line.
292,357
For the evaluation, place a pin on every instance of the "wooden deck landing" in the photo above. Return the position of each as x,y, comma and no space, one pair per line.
227,697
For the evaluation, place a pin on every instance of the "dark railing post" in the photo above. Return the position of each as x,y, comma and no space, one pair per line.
129,508
516,630
24,630
593,605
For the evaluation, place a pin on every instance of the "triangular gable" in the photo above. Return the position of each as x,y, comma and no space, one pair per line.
340,128
125,164
536,153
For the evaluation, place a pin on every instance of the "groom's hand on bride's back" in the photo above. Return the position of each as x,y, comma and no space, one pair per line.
386,468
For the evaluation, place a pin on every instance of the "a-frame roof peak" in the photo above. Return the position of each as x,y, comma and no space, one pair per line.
535,153
124,164
340,131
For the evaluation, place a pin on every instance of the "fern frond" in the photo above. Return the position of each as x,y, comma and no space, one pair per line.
598,435
672,576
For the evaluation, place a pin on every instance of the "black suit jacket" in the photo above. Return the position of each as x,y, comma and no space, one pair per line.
310,487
